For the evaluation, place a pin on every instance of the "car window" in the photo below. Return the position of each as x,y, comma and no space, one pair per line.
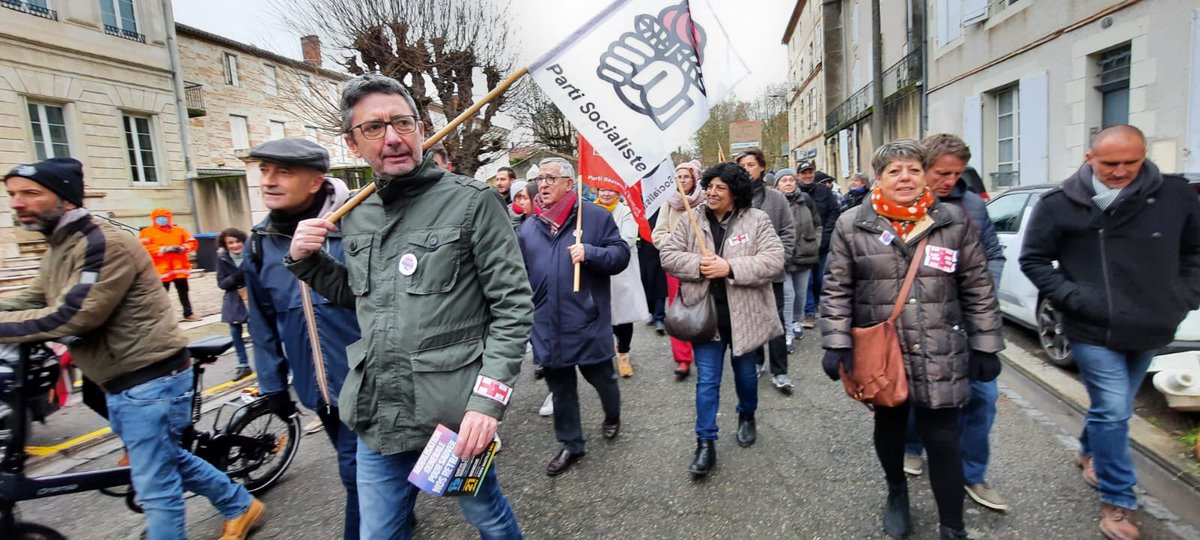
1005,212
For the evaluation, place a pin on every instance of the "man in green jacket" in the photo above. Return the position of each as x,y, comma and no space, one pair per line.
97,283
435,274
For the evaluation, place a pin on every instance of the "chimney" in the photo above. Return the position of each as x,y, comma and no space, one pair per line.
310,48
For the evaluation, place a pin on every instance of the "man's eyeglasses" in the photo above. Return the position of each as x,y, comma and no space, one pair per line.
548,178
375,129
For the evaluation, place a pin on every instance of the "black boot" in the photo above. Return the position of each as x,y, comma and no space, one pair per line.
747,433
952,534
896,520
706,458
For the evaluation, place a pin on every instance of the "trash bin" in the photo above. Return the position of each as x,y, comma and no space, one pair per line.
206,252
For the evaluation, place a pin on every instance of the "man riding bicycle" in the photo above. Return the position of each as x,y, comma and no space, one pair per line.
98,284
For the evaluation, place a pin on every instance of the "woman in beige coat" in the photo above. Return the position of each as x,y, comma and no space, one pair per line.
744,258
949,327
687,175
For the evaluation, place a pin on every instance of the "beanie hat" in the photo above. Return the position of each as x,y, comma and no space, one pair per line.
517,187
785,172
62,175
769,179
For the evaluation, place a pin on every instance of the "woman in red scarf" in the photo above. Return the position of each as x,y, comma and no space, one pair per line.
948,327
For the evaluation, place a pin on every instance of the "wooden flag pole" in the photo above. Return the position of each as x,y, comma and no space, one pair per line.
367,190
720,156
687,207
578,224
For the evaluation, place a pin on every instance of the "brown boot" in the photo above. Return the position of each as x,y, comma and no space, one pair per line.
1089,470
239,527
624,365
1116,523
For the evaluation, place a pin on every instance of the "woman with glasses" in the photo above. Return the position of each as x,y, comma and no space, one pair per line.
687,175
740,258
949,327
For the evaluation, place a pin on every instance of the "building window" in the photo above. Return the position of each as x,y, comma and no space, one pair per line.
37,8
49,128
1007,137
238,131
310,133
141,149
949,13
272,86
1113,85
231,69
276,130
120,19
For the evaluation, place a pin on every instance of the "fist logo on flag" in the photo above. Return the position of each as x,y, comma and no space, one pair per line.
654,67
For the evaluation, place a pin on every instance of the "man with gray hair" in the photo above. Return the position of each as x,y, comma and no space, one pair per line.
572,330
433,271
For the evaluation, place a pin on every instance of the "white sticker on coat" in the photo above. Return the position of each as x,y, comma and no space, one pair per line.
408,264
944,259
739,240
492,389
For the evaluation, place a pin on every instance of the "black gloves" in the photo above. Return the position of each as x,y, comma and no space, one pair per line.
835,358
983,366
281,404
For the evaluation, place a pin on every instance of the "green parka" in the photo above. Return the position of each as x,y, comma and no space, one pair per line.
435,274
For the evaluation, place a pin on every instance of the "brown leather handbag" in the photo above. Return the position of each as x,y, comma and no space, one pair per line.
878,376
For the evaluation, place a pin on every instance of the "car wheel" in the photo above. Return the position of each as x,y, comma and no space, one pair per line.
1051,336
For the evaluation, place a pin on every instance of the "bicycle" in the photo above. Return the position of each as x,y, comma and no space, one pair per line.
253,446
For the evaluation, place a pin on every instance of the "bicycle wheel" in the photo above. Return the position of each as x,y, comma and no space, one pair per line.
24,530
260,466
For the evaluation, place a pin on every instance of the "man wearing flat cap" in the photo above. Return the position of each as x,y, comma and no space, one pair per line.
98,284
294,187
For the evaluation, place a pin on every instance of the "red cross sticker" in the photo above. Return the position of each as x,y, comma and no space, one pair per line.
944,259
739,240
492,389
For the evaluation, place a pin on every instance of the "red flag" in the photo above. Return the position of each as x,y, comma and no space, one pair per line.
597,174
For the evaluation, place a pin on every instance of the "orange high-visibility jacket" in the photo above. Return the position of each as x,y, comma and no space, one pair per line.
156,239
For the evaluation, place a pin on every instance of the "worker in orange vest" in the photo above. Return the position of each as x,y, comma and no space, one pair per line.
169,245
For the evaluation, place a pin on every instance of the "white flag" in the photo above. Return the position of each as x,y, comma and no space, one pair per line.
638,79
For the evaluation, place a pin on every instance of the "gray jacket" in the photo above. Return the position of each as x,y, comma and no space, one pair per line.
779,210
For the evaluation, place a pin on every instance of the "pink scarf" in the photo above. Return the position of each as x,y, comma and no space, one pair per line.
557,214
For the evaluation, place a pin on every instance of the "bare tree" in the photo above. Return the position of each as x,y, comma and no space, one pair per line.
541,118
769,106
439,49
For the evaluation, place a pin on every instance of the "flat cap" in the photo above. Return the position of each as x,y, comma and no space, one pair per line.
293,151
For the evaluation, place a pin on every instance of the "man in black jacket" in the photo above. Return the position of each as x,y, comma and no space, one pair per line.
1127,242
829,210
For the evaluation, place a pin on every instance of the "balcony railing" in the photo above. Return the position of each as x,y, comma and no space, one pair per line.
24,7
123,33
902,76
194,95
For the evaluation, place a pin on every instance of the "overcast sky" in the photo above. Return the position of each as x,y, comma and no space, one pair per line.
755,33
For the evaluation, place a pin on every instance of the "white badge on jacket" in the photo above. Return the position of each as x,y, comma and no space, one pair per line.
739,240
408,264
944,259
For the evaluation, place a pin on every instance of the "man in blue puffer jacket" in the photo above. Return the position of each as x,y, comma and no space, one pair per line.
572,329
948,156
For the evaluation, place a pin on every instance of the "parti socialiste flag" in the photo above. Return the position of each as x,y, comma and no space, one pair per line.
638,79
643,198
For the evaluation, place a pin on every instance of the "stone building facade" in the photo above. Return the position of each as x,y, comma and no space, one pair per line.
93,81
804,38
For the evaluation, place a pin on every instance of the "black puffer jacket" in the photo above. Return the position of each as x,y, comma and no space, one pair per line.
1127,276
827,207
952,307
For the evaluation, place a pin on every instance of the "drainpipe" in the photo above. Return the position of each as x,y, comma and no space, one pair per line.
181,109
877,112
921,43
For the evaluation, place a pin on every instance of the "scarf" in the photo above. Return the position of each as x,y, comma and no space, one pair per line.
518,209
286,223
557,214
902,218
607,207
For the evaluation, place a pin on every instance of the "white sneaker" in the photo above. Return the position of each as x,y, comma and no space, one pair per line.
314,426
547,408
798,328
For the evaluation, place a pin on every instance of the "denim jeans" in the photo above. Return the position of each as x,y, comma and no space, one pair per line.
795,285
150,418
976,419
814,286
235,332
1112,379
386,499
710,360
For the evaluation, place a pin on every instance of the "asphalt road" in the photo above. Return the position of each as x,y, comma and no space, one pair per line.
812,474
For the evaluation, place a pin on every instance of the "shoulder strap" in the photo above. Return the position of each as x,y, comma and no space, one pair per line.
256,257
908,279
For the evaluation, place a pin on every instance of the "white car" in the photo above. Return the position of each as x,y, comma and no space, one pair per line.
1020,300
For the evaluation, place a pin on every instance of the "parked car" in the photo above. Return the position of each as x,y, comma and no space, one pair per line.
1019,299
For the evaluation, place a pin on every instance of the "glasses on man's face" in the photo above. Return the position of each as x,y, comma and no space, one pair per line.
549,178
375,129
